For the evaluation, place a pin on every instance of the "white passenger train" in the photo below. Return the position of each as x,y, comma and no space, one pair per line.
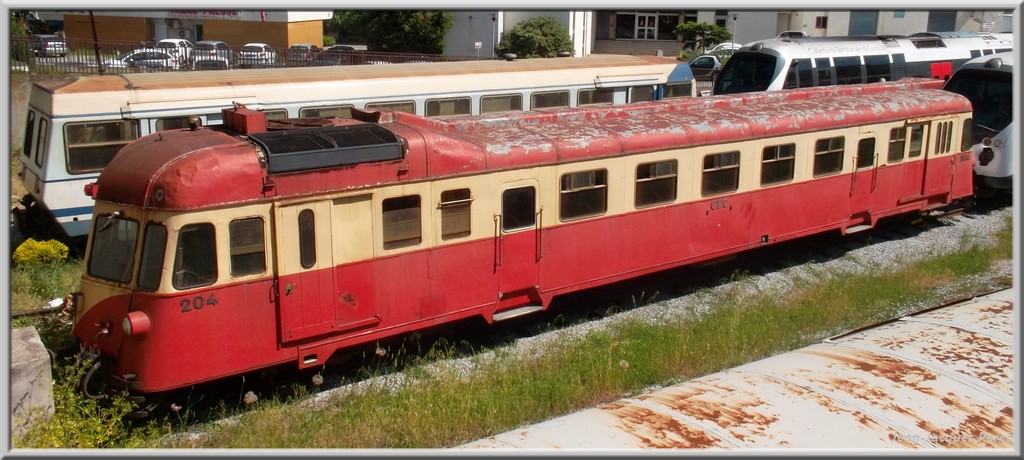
782,63
75,125
988,82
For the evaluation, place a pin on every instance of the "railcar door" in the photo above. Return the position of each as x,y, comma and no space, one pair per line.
864,179
517,244
305,282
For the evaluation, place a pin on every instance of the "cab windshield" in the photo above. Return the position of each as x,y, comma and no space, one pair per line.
744,73
113,248
991,95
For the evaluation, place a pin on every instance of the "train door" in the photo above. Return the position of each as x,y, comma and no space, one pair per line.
518,245
305,281
917,140
863,182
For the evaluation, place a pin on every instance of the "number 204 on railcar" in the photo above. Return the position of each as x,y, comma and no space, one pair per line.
221,250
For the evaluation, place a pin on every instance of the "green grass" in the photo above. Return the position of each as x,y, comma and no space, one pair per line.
437,409
33,285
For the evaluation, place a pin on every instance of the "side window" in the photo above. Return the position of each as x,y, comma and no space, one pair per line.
866,153
453,106
828,156
404,106
340,111
307,238
40,147
501,103
721,173
518,208
897,144
163,124
275,114
195,260
248,251
646,93
825,72
671,91
112,252
583,194
455,217
152,261
401,221
916,140
848,70
596,96
877,68
92,145
777,164
656,183
30,126
549,99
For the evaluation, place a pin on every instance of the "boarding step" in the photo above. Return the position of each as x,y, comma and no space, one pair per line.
517,312
858,228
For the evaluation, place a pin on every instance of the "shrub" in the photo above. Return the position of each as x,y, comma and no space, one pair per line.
40,252
539,36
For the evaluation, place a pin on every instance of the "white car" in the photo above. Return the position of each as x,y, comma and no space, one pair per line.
727,46
177,47
252,55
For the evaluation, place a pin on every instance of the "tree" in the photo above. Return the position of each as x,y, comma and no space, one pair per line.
396,31
539,36
702,35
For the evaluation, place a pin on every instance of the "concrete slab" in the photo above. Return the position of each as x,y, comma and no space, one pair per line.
31,380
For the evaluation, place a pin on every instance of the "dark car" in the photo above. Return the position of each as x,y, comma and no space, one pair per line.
212,55
301,54
335,55
45,45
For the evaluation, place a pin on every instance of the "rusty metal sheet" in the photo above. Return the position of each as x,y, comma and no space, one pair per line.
940,379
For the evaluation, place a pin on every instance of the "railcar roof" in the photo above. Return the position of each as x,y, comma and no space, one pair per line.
194,79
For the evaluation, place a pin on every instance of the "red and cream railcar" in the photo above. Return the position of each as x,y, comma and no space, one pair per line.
217,251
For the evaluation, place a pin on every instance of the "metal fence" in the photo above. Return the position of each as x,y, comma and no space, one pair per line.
94,57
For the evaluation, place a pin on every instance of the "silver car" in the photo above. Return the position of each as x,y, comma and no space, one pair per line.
254,55
212,55
45,45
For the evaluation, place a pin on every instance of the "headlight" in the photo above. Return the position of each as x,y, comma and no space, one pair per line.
136,323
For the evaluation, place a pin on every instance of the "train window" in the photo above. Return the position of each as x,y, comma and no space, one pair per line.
453,106
501,103
30,125
897,144
825,72
163,124
195,261
151,262
112,253
967,135
866,153
549,99
646,93
275,114
943,137
828,156
595,96
848,70
340,111
401,217
455,220
671,91
92,145
307,238
916,140
518,208
877,68
721,173
247,247
403,106
777,163
800,75
40,147
656,183
583,194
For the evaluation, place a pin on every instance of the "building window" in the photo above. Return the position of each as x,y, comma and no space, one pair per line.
777,164
721,173
656,183
455,221
583,194
401,217
443,107
646,26
501,103
828,156
248,251
821,22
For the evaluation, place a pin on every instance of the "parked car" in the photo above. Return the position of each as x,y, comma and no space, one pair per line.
151,58
727,47
212,55
45,45
253,55
335,55
792,34
177,47
705,66
300,54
